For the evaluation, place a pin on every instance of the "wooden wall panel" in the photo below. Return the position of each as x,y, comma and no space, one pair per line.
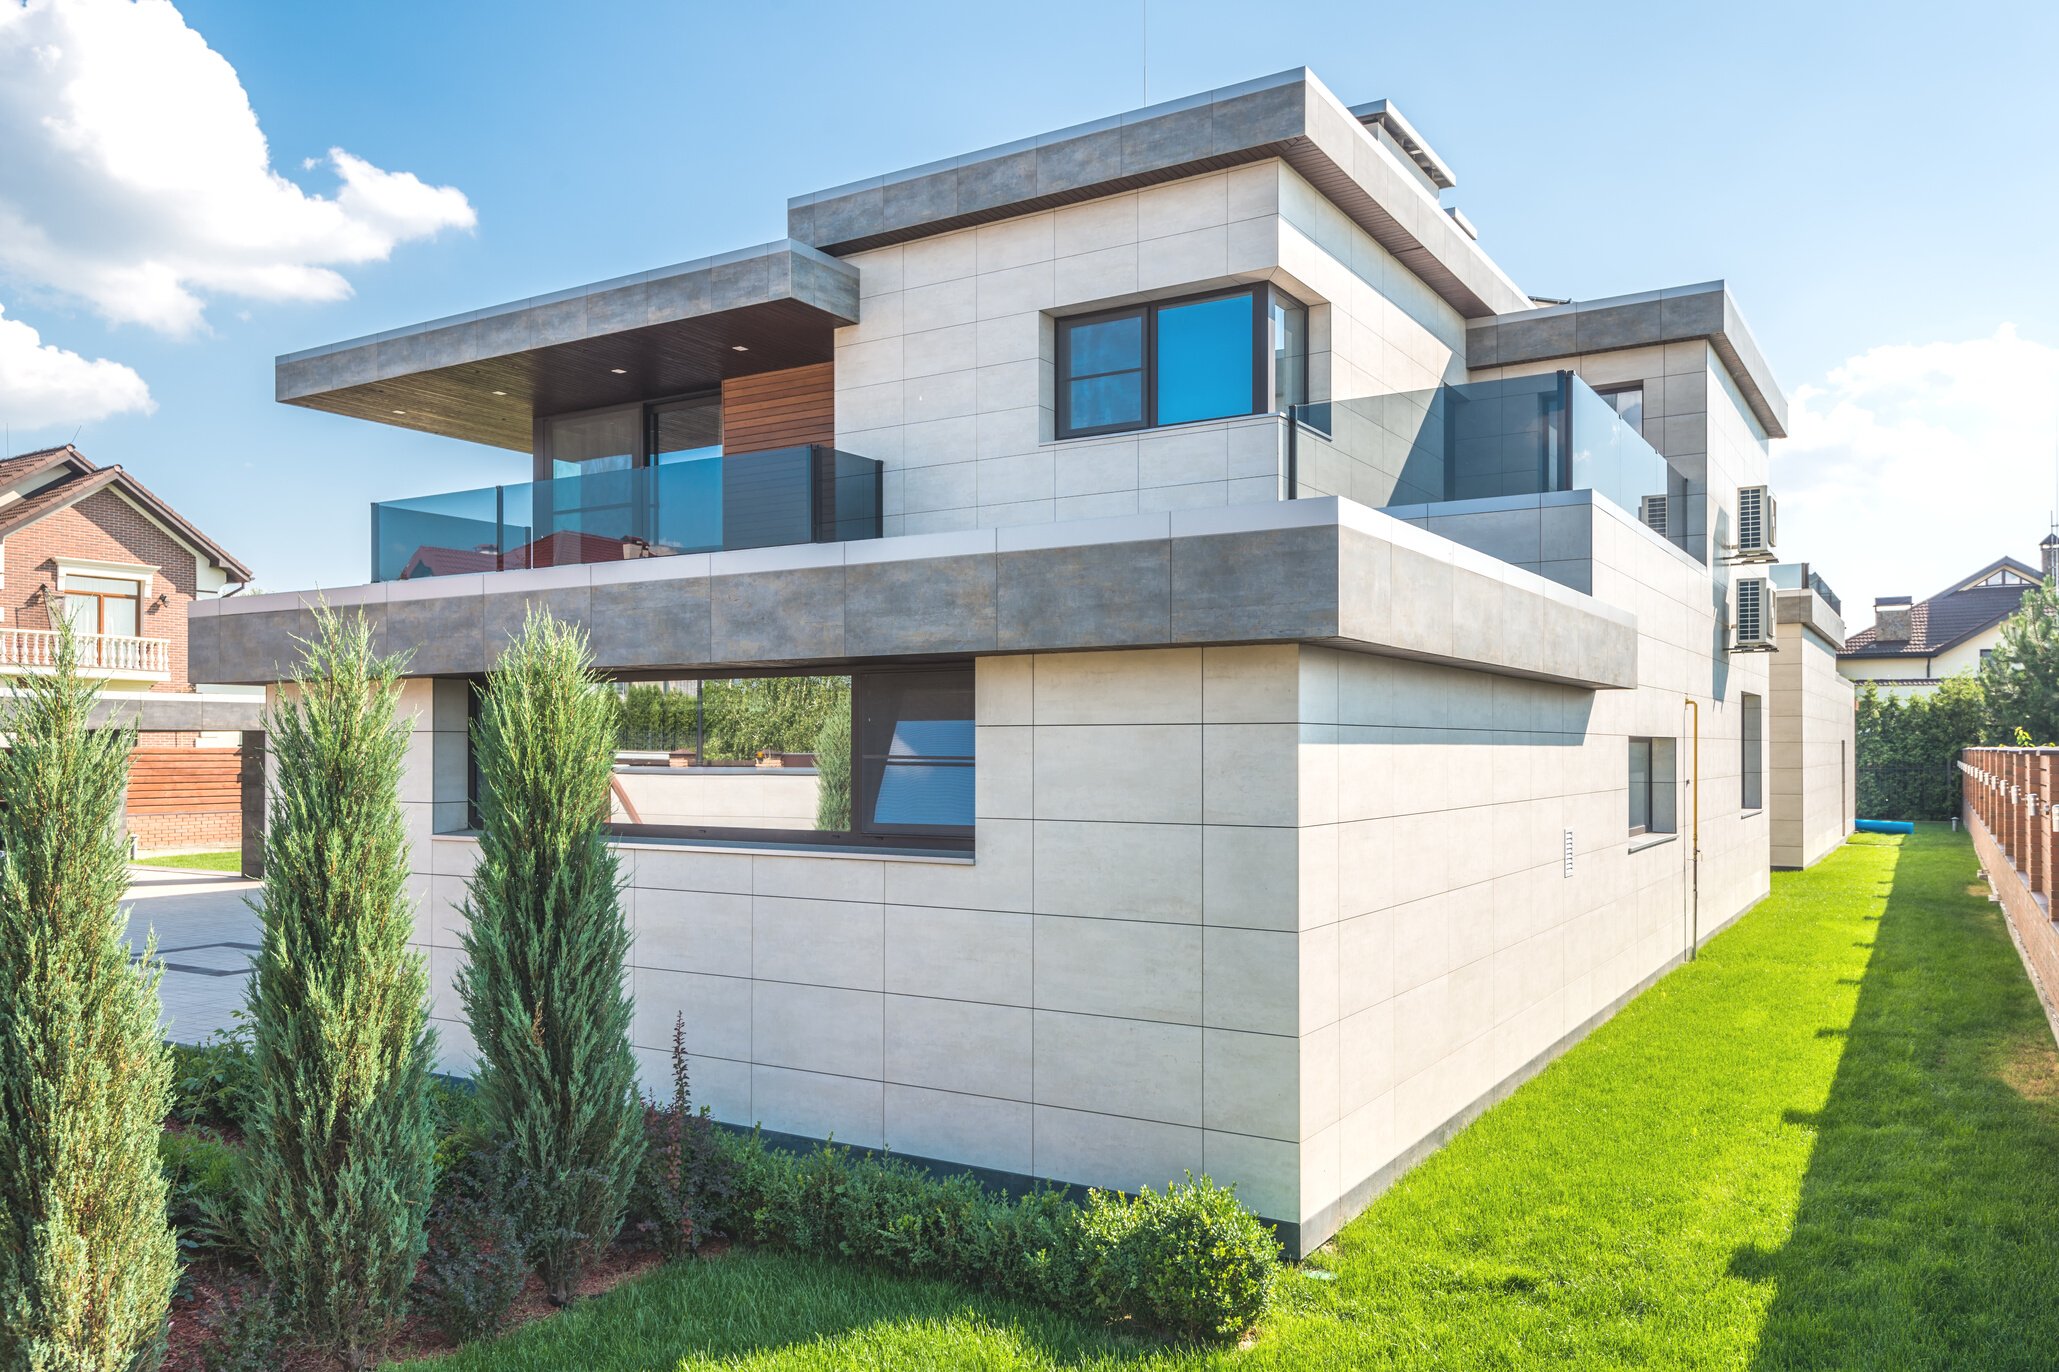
185,781
779,409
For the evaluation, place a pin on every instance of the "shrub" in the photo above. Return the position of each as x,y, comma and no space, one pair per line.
682,1184
212,1082
246,1331
477,1259
1191,1261
340,1141
544,950
87,1261
201,1176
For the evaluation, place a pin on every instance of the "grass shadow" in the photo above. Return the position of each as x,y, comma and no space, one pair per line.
1921,1239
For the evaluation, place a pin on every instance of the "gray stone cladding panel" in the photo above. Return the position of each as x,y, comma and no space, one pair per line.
1320,572
937,605
1275,585
652,623
1102,595
502,616
792,615
445,633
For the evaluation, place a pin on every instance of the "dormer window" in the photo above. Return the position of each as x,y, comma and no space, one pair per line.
2005,577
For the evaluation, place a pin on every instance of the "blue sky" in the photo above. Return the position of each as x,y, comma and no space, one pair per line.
1877,182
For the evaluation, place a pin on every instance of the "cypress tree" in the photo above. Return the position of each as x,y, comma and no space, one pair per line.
340,1162
87,1260
545,948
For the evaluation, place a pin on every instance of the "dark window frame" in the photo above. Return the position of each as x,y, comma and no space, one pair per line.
1751,736
1259,296
1651,766
954,840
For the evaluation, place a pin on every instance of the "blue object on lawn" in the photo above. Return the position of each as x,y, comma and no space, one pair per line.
1884,826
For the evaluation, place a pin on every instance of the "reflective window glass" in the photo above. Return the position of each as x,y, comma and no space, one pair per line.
1204,360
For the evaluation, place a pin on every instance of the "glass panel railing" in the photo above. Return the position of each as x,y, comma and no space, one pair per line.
1512,436
1793,576
810,494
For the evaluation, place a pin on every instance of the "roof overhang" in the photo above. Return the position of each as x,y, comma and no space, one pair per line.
1323,571
1289,115
486,375
1679,315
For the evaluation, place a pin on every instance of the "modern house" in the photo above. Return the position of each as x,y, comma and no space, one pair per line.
94,547
1297,682
1915,645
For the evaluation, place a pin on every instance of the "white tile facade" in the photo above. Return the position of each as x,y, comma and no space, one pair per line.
947,379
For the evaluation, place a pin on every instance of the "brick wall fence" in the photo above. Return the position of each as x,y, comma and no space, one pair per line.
2012,811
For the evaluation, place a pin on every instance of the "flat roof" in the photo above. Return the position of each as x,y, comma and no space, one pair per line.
1290,115
483,376
1678,314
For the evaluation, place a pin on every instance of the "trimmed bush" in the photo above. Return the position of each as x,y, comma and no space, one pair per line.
87,1261
340,1138
1191,1261
544,950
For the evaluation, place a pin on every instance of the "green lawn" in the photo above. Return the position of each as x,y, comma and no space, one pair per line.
227,860
1831,1142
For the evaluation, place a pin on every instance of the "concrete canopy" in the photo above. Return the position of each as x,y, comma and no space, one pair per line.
485,376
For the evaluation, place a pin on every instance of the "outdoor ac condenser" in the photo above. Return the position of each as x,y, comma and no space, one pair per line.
1757,515
1752,615
1652,510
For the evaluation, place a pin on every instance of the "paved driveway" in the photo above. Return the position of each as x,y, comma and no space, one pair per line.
206,936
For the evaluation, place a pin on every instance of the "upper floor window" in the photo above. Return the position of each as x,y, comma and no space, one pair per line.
2005,577
1627,402
1177,361
102,604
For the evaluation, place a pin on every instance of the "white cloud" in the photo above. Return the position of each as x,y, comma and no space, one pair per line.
42,385
1911,465
136,177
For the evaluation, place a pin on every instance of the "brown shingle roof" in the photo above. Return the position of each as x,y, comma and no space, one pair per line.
1950,617
87,479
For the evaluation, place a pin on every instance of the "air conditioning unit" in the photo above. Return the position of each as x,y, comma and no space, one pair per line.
1756,524
1652,510
1752,615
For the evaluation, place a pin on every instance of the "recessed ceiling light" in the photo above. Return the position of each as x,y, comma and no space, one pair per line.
619,371
500,392
738,348
400,411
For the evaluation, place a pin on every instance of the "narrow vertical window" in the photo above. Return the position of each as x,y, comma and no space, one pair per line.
1290,352
1752,740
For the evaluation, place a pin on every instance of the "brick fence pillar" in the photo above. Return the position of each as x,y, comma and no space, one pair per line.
2037,829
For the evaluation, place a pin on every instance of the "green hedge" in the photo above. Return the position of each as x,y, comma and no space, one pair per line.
1191,1261
1907,748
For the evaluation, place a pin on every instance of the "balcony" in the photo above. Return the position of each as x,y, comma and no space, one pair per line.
812,494
1517,436
102,655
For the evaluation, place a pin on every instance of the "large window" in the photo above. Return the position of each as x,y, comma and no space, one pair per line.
1627,402
1752,733
1652,791
102,604
1177,361
877,758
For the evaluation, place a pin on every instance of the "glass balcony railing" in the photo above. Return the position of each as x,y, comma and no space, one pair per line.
1515,436
811,494
1793,576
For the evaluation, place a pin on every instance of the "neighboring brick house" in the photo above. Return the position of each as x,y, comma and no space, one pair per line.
95,546
1914,646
